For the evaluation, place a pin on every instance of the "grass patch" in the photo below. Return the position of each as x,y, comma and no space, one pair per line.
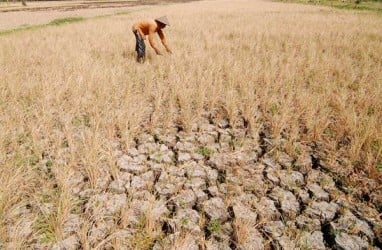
58,22
44,228
146,234
206,152
23,28
379,167
61,21
214,226
350,5
55,22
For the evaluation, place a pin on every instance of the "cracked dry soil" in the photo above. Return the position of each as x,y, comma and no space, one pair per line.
217,188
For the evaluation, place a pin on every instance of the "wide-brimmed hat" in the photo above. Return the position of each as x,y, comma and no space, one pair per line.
163,19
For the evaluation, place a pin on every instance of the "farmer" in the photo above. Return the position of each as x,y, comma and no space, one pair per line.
148,27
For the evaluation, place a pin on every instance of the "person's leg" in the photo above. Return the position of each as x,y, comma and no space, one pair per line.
136,44
136,41
140,47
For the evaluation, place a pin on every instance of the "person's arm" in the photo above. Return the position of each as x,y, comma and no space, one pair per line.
152,43
164,42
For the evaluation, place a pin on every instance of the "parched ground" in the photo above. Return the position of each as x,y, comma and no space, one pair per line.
214,188
211,188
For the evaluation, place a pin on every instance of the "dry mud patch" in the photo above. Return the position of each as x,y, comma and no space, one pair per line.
214,187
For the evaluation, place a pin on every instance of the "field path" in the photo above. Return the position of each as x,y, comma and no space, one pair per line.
37,13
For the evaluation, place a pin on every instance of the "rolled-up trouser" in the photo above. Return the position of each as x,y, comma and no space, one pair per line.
140,46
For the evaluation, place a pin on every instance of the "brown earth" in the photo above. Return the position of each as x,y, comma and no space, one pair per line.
214,187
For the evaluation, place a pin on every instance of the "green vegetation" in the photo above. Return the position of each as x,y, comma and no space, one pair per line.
67,20
82,120
379,167
44,228
146,234
158,139
206,152
49,164
346,4
214,226
274,109
185,220
57,22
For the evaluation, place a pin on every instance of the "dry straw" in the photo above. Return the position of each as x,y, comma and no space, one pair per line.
68,93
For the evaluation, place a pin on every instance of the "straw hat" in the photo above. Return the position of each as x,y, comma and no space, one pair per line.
163,19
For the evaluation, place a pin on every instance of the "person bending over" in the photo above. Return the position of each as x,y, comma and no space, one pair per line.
148,27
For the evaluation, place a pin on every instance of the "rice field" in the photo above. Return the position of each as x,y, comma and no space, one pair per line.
305,75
